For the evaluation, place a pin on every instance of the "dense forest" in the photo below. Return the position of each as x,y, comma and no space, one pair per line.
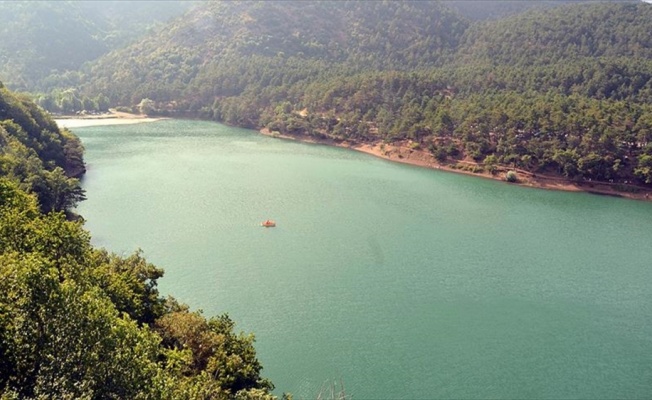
78,322
43,38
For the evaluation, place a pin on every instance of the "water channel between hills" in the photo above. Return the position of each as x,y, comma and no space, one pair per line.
399,281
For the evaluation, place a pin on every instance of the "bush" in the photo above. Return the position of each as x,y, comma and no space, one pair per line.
124,109
511,176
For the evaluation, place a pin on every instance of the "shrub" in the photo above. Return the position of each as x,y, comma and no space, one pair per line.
124,109
511,176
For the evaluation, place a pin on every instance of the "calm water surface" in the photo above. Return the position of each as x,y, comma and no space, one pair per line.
402,282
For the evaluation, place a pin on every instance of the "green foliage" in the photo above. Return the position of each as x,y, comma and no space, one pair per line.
511,177
73,152
563,91
77,322
563,33
496,9
221,48
228,358
131,284
38,155
56,191
146,106
644,168
42,42
490,163
66,340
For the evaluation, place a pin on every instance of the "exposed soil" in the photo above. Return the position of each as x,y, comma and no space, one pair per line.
111,118
405,152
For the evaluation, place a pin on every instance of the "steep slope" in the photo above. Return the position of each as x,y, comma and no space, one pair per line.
37,155
564,33
335,30
223,48
597,50
241,38
125,21
78,322
497,9
41,38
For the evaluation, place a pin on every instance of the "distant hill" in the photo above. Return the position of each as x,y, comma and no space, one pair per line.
599,50
497,9
40,38
571,32
125,21
234,44
222,48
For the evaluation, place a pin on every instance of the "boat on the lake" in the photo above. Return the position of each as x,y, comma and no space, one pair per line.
268,224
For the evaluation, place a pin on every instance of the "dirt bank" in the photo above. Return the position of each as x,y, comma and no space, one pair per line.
408,153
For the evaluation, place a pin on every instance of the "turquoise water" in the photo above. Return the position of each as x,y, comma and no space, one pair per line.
399,281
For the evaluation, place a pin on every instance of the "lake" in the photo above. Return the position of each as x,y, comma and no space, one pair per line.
398,281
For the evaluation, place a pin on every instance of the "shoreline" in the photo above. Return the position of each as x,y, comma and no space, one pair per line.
111,118
403,154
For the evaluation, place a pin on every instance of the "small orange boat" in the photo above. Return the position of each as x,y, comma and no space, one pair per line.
268,224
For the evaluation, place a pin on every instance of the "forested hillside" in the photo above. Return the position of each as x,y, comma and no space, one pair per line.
563,91
42,41
39,157
78,322
234,44
541,37
496,9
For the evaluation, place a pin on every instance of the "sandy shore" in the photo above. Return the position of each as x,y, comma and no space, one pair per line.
403,153
111,118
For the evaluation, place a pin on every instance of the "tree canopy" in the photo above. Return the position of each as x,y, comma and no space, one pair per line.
79,322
